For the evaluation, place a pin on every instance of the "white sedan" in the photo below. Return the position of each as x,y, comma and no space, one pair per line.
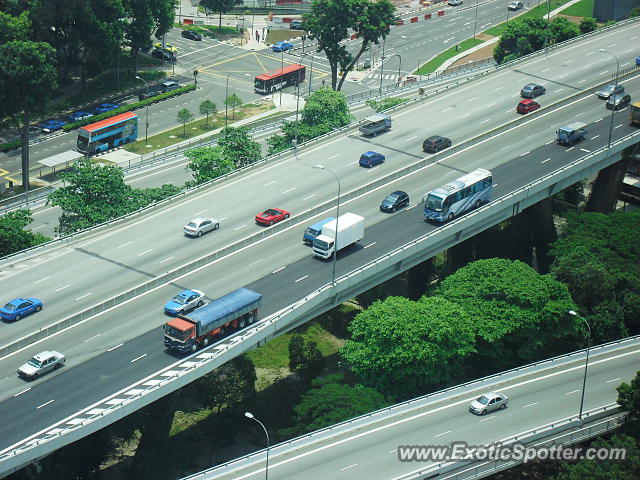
198,226
488,402
41,363
515,6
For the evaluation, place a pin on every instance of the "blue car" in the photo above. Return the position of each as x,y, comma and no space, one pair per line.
184,301
51,125
281,46
79,115
106,107
371,159
20,307
638,61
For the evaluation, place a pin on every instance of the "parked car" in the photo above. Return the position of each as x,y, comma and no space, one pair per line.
106,107
608,90
51,125
488,402
163,55
167,47
41,363
191,35
79,115
514,6
20,307
532,90
198,226
618,101
435,143
296,25
271,216
527,105
455,3
184,302
281,46
395,201
371,159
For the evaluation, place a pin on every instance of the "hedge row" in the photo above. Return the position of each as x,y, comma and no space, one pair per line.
6,147
128,108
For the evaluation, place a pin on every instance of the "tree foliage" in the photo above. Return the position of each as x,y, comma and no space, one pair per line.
184,116
588,25
330,401
219,7
305,358
94,193
401,347
331,21
13,236
207,107
233,101
629,400
385,103
207,163
238,146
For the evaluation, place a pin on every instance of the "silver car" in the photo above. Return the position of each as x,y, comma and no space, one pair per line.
198,226
608,90
488,402
41,363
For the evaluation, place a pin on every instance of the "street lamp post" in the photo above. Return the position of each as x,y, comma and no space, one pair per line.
335,240
311,70
382,65
615,85
475,22
226,98
295,144
399,65
586,363
266,470
281,68
146,120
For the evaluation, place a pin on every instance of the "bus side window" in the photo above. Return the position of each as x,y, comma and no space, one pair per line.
447,202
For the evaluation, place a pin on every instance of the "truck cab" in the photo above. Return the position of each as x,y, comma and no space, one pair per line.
179,335
313,231
571,134
375,124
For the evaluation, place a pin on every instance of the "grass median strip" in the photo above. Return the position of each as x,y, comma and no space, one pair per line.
433,64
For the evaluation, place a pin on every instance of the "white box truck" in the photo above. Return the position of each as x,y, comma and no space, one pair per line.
350,230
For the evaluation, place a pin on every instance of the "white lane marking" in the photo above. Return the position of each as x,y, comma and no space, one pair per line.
545,70
300,279
447,109
45,404
409,208
593,138
167,259
138,358
42,279
145,252
467,115
491,105
545,161
125,244
582,81
198,213
279,269
91,338
270,183
310,196
572,391
585,150
62,288
488,418
393,451
604,73
113,348
612,45
412,138
613,380
498,89
525,153
617,127
241,226
289,190
370,245
346,468
559,90
470,100
485,121
332,156
443,433
569,149
20,393
83,296
530,405
253,263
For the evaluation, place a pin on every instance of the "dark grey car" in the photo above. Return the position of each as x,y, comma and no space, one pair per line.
618,101
435,143
532,90
395,201
608,90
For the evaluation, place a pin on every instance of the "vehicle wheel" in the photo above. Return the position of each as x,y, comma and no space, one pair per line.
222,331
199,233
180,312
478,203
251,318
18,317
393,210
270,222
200,303
34,376
217,226
483,412
286,216
503,406
450,217
241,323
58,365
205,341
38,308
194,348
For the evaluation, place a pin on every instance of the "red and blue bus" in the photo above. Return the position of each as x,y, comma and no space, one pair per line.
105,134
283,77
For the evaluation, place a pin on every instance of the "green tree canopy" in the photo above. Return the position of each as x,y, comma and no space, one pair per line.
518,315
629,400
238,146
233,101
330,401
588,25
207,163
14,28
13,236
184,116
305,358
401,347
207,107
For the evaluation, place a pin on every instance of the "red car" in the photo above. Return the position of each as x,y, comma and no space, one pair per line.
271,216
526,106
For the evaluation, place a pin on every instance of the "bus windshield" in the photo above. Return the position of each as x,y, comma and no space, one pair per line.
434,202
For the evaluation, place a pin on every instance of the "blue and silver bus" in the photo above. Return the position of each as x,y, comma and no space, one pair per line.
457,197
108,133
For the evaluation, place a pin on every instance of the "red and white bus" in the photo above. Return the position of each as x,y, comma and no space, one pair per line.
105,134
283,77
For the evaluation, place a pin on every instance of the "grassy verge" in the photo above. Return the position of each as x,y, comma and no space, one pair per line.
584,8
537,11
274,36
193,129
434,63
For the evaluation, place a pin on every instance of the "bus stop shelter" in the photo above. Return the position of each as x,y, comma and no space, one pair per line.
64,158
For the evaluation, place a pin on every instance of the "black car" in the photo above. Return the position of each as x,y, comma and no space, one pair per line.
149,94
436,143
296,25
395,201
163,55
618,101
532,90
191,35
